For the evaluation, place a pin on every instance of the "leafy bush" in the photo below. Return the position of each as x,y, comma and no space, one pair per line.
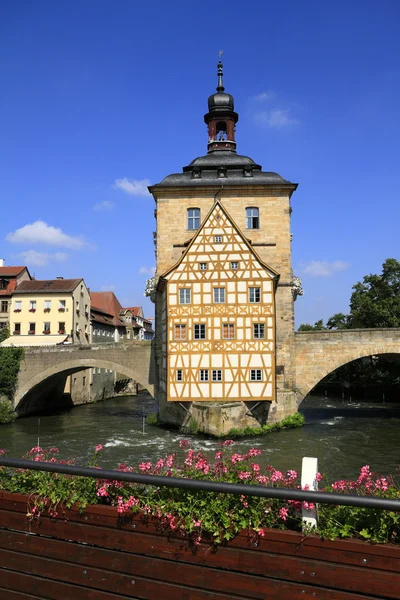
7,414
10,359
296,420
152,419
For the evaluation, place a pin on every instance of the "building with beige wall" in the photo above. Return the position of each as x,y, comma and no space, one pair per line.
253,209
49,312
10,278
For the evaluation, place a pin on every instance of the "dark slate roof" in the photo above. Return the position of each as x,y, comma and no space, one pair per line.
222,167
47,286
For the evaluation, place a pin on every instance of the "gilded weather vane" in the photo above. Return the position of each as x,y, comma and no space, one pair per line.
220,53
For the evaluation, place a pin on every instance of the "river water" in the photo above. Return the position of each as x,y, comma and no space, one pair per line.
342,435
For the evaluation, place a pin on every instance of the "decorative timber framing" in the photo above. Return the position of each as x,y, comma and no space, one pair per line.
218,320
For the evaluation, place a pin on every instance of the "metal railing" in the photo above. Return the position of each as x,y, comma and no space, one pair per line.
207,486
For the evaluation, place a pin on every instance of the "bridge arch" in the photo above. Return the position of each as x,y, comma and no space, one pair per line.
74,364
330,359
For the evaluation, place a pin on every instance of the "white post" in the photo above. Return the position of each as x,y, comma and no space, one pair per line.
309,470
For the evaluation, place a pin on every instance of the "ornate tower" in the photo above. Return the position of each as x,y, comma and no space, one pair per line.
225,289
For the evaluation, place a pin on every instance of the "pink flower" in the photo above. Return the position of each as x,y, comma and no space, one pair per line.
254,452
197,523
261,532
262,479
283,513
218,454
98,448
235,458
228,443
276,476
184,444
291,475
255,467
245,475
318,477
35,450
54,451
145,466
3,452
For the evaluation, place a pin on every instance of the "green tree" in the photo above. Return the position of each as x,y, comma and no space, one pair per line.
375,302
338,321
10,359
318,326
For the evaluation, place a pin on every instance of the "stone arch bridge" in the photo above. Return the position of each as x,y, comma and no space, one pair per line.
318,353
315,354
43,371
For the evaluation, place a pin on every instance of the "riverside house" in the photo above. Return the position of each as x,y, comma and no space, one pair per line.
49,312
10,278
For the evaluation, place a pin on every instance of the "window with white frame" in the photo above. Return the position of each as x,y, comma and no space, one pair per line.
180,331
47,304
179,374
254,295
17,328
219,295
46,327
255,375
200,331
259,331
184,296
228,331
234,265
61,304
203,375
252,218
203,266
217,375
18,305
193,218
32,304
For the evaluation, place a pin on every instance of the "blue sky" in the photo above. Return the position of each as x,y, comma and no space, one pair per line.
101,98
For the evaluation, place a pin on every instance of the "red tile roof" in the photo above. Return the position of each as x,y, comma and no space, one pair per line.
134,310
108,302
47,286
10,271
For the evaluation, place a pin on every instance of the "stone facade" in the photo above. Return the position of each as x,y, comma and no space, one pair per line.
48,369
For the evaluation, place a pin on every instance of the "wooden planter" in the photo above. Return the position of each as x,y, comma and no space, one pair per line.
91,556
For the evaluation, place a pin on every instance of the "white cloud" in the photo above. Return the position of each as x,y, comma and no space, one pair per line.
41,233
147,270
134,187
108,288
41,259
276,118
322,268
265,96
105,205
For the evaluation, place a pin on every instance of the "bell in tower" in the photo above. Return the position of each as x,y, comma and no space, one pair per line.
221,118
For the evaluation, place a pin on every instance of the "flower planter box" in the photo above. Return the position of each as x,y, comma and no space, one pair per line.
97,555
61,310
46,332
17,310
46,310
32,310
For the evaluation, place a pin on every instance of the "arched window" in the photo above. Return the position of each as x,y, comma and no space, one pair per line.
193,218
252,218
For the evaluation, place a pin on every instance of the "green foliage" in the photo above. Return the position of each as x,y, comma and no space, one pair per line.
338,321
375,302
4,333
10,359
7,414
318,326
296,420
152,419
205,516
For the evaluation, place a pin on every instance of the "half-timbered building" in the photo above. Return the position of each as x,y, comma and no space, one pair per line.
225,288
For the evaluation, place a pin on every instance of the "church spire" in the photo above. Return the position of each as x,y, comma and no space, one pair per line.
221,118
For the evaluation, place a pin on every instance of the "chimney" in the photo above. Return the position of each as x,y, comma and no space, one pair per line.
59,277
1,262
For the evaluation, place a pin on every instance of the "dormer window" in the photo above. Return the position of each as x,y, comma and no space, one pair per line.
3,284
221,172
196,174
193,218
248,172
